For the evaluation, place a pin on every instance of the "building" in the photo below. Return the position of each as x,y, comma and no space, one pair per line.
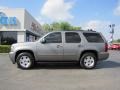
17,25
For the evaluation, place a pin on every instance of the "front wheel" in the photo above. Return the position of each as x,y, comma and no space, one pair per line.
25,60
88,61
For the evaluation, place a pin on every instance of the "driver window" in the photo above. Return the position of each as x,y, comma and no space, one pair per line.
54,38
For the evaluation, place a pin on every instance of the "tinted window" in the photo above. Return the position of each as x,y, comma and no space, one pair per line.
8,38
72,37
93,37
54,38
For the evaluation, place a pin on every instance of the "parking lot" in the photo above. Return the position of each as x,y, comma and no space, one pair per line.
61,76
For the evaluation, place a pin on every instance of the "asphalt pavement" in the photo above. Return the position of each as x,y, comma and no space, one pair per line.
61,76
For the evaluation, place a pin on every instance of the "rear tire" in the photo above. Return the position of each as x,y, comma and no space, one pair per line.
88,61
25,60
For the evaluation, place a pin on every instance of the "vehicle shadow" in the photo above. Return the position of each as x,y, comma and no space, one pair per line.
58,65
62,65
108,64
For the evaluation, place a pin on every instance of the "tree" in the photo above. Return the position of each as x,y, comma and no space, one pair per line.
118,40
46,27
55,26
65,26
75,28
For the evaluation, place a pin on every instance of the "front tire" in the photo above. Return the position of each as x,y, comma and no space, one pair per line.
88,61
25,60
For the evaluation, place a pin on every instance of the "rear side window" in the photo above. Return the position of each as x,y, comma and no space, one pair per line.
72,37
93,37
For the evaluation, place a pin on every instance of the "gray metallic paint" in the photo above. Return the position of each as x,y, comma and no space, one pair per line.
60,51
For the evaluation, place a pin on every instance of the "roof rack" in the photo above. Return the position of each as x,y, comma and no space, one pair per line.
74,30
91,30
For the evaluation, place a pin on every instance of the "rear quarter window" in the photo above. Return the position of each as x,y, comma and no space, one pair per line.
93,37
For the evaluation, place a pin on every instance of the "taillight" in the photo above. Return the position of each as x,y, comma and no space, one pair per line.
106,47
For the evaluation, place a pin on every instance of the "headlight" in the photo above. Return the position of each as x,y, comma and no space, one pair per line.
12,48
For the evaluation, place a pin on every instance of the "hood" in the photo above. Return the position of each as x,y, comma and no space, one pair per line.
23,44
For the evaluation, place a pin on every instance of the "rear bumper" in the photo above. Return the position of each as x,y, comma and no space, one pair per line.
12,57
103,56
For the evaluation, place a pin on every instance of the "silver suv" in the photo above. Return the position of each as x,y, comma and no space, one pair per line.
85,47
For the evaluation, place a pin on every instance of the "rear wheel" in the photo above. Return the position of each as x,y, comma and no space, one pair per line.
88,61
25,60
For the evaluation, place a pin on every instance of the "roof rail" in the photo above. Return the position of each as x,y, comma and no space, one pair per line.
91,30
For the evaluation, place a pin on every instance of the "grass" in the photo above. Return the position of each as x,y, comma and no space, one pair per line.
5,48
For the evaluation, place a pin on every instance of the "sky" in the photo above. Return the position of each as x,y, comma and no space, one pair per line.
88,14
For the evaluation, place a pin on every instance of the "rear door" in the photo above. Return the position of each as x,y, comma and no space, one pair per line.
72,42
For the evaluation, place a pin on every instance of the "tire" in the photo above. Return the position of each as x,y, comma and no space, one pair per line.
25,60
88,61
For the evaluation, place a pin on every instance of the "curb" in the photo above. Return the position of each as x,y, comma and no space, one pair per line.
4,53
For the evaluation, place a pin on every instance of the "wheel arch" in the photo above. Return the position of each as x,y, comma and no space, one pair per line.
89,51
21,51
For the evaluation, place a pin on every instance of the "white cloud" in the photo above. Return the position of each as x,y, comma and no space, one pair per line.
57,9
96,25
99,26
117,32
117,9
40,20
3,7
103,27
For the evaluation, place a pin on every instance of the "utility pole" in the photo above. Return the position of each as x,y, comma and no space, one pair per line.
112,26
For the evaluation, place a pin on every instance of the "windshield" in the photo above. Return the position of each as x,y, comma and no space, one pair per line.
38,38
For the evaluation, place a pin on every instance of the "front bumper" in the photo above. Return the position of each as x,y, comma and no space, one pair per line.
12,57
103,56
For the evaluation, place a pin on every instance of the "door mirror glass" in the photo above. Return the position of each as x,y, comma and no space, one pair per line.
43,41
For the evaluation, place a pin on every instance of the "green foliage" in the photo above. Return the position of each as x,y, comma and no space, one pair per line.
4,48
46,27
55,26
65,26
116,41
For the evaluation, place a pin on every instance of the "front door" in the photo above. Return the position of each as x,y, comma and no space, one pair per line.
52,48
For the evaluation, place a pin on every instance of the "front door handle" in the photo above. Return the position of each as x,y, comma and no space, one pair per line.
58,46
79,45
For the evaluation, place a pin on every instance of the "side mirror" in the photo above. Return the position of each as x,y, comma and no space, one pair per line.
43,41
